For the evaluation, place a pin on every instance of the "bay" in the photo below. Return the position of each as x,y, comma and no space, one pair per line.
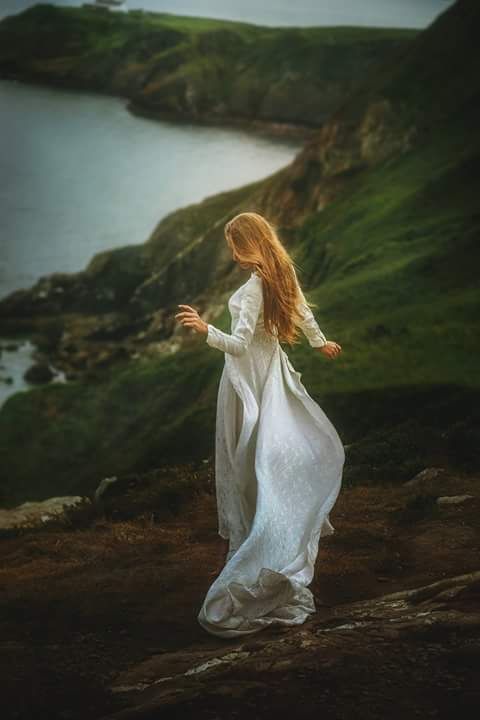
80,174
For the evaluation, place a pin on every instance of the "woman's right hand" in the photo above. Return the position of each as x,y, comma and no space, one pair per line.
190,318
331,349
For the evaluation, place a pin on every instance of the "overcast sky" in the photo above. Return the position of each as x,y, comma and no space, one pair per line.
380,13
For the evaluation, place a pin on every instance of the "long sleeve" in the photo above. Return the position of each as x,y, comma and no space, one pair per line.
311,330
309,325
251,304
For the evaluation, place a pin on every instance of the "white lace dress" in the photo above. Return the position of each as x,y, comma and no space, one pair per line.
278,472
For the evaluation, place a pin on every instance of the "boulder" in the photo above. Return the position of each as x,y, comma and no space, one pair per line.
59,511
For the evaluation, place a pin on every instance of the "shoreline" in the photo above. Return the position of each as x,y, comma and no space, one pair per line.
272,130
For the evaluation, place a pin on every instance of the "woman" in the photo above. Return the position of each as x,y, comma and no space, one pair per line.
278,459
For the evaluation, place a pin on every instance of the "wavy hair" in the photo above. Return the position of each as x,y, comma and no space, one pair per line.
254,241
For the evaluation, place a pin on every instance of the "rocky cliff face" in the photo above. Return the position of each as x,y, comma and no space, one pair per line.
429,85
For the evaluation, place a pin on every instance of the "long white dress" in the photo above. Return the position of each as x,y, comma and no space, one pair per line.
278,472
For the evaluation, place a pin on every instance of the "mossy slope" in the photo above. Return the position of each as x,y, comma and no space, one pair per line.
390,258
197,68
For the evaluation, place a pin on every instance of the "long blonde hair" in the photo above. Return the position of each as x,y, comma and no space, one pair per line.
255,242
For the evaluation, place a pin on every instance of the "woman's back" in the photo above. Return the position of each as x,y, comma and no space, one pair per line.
278,458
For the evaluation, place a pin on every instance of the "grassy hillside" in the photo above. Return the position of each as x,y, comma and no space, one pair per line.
400,295
200,69
380,210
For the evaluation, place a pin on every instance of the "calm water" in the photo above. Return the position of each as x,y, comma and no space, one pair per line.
79,174
379,13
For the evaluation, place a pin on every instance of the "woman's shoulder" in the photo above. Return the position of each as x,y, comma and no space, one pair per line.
253,287
254,282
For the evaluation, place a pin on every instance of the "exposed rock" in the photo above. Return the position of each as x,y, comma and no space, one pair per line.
117,328
427,476
159,322
80,360
397,621
39,373
454,499
444,614
109,356
378,133
59,511
101,490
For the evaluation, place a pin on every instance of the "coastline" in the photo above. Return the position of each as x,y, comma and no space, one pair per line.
278,82
273,129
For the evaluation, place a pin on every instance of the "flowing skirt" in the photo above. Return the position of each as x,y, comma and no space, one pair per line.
278,469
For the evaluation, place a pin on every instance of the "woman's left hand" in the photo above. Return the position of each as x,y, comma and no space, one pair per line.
191,318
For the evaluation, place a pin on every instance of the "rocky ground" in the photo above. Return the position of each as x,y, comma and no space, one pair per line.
98,618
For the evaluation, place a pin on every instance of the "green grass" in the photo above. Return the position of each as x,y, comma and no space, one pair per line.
401,250
398,249
391,263
128,419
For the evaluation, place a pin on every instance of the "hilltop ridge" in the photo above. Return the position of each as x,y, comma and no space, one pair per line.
281,80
